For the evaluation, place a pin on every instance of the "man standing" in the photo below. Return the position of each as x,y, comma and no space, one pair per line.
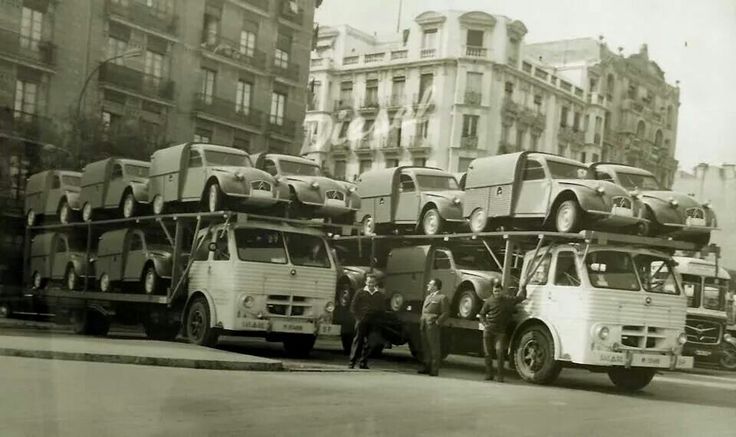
435,311
496,315
366,303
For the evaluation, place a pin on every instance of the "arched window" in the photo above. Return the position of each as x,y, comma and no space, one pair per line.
658,138
641,129
609,86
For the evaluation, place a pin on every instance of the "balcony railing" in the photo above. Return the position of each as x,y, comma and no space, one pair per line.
399,54
139,13
472,98
23,124
476,52
370,102
283,126
134,80
232,50
227,110
469,142
510,107
23,47
428,53
349,60
292,12
260,4
290,72
344,104
374,57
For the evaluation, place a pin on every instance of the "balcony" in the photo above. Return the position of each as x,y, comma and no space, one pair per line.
350,60
22,124
597,99
632,105
428,53
27,49
290,10
392,145
370,103
346,103
476,52
232,50
290,72
470,142
510,108
228,111
137,12
374,57
570,135
396,101
419,145
136,81
260,4
399,54
472,98
281,126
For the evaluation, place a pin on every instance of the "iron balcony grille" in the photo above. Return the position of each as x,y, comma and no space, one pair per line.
643,337
702,331
260,185
622,202
288,305
335,195
27,48
137,81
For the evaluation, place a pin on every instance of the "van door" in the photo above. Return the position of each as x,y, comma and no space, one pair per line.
133,258
113,193
407,206
52,196
534,190
59,256
194,177
443,267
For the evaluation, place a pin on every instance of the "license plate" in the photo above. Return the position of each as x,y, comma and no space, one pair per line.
702,353
695,221
254,324
685,362
295,327
617,210
639,360
330,329
612,358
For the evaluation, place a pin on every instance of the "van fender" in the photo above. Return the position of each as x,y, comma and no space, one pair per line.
567,194
210,302
516,335
140,192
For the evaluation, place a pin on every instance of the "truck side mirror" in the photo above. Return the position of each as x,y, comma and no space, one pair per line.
212,247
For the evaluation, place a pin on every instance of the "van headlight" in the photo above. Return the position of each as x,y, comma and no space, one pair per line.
315,185
600,190
682,338
456,201
351,189
602,332
673,202
329,307
248,301
397,301
239,176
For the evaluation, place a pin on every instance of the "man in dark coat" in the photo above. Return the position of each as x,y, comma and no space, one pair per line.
496,315
435,311
366,303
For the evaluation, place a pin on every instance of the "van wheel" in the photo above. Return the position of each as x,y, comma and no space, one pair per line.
158,205
87,213
633,379
161,331
369,226
432,222
105,283
128,205
568,217
478,220
151,280
65,212
468,304
299,345
30,217
214,197
534,356
198,329
71,279
37,281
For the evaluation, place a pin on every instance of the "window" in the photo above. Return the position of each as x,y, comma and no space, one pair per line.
202,251
509,89
117,172
307,250
583,156
473,83
135,242
430,183
576,121
247,43
406,184
260,245
474,38
242,143
566,272
242,97
55,183
442,260
195,159
426,82
535,141
538,102
392,163
154,66
398,87
371,92
26,94
364,165
339,171
420,162
610,87
693,288
278,103
222,251
520,138
611,269
211,29
658,138
429,39
281,58
563,116
315,91
202,136
422,129
656,274
60,245
470,125
566,170
30,28
463,164
533,170
116,48
603,176
270,167
208,85
714,294
541,270
641,129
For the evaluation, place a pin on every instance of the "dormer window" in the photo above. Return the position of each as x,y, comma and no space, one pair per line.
429,38
474,38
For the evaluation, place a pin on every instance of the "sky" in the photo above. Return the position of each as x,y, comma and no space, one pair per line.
693,41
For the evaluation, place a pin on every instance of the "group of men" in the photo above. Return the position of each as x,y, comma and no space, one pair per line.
495,314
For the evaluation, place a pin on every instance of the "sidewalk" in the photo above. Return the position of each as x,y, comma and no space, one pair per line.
130,351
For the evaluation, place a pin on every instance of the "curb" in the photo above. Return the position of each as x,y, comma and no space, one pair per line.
143,361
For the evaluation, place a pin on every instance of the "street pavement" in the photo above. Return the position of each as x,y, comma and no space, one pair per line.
321,397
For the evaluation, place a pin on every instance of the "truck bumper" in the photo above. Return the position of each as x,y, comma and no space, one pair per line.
286,326
641,359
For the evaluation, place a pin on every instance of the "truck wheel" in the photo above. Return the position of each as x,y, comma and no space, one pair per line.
104,283
151,280
89,322
161,331
65,212
198,329
87,212
299,345
30,217
633,379
478,220
468,304
369,225
214,197
728,357
535,356
432,222
568,217
129,206
71,280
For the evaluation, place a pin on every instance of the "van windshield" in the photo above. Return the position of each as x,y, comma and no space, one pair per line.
565,170
307,250
226,159
611,269
430,182
291,168
136,171
73,181
656,274
632,181
473,258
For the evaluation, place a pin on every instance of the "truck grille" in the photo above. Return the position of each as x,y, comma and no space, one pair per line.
643,337
260,185
335,195
702,331
288,305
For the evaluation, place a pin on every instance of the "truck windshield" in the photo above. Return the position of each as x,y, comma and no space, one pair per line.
429,182
307,250
136,171
691,285
473,258
260,245
632,181
565,170
656,274
227,159
714,294
291,168
73,181
611,269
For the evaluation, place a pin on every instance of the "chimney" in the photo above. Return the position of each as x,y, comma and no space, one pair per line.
644,51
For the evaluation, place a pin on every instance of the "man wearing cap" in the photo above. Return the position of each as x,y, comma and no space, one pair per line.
366,303
496,315
435,311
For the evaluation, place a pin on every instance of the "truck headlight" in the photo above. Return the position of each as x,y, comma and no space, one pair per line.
682,338
248,301
602,332
397,301
329,307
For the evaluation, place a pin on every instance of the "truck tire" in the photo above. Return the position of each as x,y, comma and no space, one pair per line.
161,331
157,204
727,359
534,356
568,217
299,345
87,212
31,218
104,283
89,322
633,379
468,304
197,328
432,222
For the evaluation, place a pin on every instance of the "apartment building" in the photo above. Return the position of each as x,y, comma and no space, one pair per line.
232,72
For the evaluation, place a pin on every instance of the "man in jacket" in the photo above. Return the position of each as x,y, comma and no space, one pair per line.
496,315
366,303
435,311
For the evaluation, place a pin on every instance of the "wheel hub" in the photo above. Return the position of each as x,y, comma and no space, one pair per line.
478,221
564,218
149,282
368,227
431,224
533,356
